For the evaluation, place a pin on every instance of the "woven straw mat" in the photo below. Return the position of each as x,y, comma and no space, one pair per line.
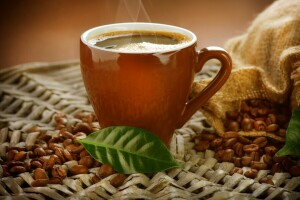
31,94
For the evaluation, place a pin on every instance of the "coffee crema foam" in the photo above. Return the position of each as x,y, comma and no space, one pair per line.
140,41
148,47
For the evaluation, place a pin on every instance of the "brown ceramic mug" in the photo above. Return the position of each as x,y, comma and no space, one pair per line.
147,89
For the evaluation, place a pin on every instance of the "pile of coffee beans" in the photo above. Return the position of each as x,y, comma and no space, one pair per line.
52,159
256,152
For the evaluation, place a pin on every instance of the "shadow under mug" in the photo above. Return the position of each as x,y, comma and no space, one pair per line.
147,89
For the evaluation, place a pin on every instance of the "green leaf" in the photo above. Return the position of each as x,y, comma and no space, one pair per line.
292,141
129,150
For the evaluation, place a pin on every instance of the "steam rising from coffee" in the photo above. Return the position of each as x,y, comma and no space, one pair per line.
134,9
150,40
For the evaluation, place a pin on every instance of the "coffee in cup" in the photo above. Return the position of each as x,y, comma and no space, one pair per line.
139,41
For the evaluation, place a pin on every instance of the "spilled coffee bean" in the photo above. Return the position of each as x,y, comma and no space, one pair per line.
46,159
258,153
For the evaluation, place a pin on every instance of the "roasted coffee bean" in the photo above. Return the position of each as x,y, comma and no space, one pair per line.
268,159
262,112
79,136
259,125
250,148
246,116
49,151
45,137
236,170
72,148
32,147
105,170
15,163
227,155
88,118
281,132
56,140
75,156
11,154
84,153
59,153
202,145
20,156
39,151
83,127
218,155
207,136
56,159
95,179
260,141
60,118
67,142
87,161
17,148
49,163
271,150
244,140
251,173
244,107
117,180
27,165
255,156
36,164
266,180
228,143
54,146
247,124
17,170
233,126
59,172
237,161
254,112
40,159
78,169
216,142
295,170
246,160
271,119
67,135
30,154
272,128
40,173
96,164
276,168
67,155
238,149
259,165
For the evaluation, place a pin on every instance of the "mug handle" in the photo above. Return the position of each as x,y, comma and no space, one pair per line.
226,65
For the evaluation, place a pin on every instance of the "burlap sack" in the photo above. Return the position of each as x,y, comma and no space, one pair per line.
266,63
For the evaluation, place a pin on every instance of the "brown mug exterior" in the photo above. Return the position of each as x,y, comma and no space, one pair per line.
148,90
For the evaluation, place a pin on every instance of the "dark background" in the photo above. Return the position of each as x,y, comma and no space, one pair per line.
49,30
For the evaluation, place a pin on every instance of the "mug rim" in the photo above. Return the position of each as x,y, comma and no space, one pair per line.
137,26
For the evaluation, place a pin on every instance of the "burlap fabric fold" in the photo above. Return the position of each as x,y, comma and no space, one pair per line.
266,63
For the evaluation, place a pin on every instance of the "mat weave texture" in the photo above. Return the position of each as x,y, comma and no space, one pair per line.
32,94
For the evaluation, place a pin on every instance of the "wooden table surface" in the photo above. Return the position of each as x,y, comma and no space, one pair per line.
43,30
